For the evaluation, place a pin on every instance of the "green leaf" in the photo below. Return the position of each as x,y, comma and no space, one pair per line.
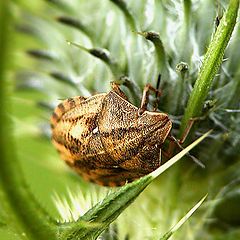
182,220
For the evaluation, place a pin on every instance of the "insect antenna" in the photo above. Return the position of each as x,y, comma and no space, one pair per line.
158,92
158,82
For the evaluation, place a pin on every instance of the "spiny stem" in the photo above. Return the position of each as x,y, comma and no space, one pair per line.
211,64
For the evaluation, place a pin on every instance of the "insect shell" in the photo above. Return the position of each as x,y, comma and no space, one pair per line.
105,139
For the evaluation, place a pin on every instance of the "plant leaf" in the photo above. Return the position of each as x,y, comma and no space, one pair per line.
168,234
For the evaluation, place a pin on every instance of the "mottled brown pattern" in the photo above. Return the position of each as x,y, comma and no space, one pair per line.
105,140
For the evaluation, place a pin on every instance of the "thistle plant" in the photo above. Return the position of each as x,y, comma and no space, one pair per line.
55,49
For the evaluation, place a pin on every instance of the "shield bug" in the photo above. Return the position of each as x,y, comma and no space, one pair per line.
108,140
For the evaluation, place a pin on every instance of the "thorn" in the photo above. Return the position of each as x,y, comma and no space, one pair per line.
77,45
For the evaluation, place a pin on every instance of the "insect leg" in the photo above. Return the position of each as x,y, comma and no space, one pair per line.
175,141
186,131
145,97
189,127
166,154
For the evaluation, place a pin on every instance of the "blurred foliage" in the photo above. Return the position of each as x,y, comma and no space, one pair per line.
44,69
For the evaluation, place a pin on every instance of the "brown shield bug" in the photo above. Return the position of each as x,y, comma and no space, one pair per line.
108,140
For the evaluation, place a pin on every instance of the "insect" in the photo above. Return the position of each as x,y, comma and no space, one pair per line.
108,140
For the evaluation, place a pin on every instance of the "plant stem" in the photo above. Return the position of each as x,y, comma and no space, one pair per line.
211,64
32,221
98,218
